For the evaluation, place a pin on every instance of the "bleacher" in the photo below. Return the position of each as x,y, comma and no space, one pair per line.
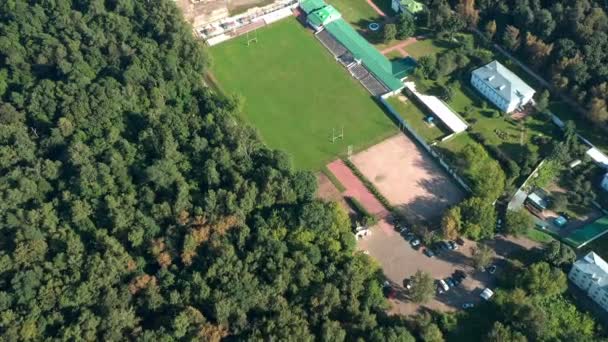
373,85
346,59
331,43
358,71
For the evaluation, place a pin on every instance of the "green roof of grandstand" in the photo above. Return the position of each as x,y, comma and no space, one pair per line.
375,62
324,16
588,233
311,5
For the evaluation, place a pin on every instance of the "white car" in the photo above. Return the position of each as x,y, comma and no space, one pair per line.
486,294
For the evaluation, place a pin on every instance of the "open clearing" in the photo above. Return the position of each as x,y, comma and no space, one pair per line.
295,93
409,178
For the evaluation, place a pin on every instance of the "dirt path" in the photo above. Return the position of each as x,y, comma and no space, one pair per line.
376,8
399,46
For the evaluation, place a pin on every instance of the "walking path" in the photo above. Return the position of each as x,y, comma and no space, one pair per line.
356,189
376,8
399,47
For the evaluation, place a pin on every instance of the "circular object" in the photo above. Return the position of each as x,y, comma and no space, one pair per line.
374,26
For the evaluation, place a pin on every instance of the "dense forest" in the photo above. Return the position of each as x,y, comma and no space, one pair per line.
135,205
566,40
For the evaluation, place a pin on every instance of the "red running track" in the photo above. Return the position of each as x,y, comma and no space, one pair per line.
356,189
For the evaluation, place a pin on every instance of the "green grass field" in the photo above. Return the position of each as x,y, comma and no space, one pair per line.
414,116
295,93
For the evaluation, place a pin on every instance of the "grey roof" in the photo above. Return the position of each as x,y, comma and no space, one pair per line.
593,264
506,83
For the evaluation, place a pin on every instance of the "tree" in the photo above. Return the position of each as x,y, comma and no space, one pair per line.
482,256
537,49
503,333
405,26
390,32
543,101
511,38
447,92
598,111
490,29
423,287
542,280
466,9
559,202
558,254
431,333
428,64
478,218
544,23
518,222
451,223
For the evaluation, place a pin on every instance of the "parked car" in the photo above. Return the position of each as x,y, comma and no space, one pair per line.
453,245
450,282
415,242
447,245
428,252
410,236
492,269
467,305
460,275
460,241
407,283
486,294
443,285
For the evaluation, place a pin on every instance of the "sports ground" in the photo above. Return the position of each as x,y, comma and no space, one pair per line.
296,94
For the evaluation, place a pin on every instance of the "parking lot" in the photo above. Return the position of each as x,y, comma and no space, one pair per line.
399,261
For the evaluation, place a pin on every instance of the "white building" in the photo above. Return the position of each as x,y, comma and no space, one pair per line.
501,87
591,274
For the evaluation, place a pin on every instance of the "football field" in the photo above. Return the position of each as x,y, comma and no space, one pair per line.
296,94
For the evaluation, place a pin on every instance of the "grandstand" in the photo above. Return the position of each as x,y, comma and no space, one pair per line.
375,72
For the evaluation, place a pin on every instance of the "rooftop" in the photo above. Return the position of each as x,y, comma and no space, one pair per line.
593,264
505,82
440,110
324,16
309,6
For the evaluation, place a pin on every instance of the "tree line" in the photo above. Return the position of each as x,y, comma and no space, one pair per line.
135,205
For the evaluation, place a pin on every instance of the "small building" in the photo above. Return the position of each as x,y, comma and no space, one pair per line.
441,110
538,200
591,275
501,87
412,7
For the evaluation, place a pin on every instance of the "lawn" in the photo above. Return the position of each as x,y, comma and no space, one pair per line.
514,138
425,47
295,93
538,236
415,116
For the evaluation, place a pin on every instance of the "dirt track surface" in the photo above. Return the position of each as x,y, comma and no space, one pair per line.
409,178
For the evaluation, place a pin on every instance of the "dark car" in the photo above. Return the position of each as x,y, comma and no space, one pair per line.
410,236
460,275
446,246
453,245
492,269
460,241
450,282
428,252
